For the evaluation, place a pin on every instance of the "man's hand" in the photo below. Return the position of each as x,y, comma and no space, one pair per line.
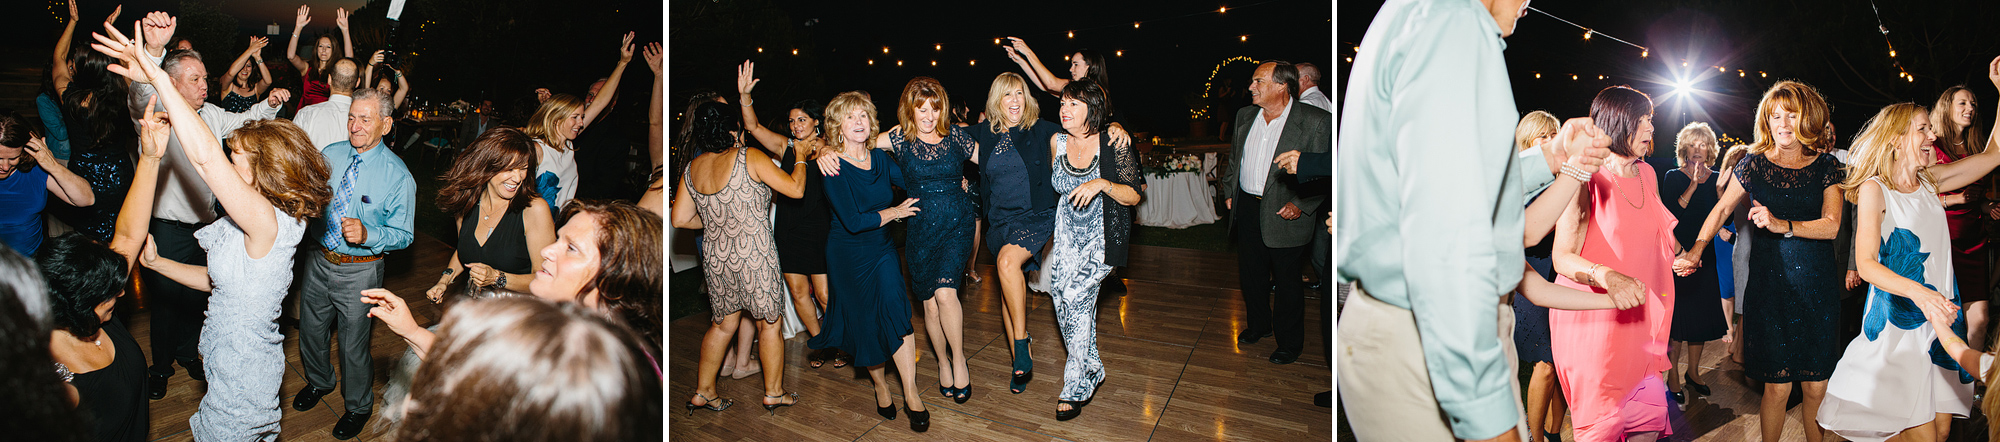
1289,161
1580,143
1290,212
352,230
1853,279
1229,203
279,96
159,28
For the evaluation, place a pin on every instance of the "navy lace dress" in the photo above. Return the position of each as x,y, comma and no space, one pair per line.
940,236
1015,188
1791,327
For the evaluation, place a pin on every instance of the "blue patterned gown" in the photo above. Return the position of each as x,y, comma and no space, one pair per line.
1895,375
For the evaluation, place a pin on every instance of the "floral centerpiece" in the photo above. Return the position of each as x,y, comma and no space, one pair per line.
1159,166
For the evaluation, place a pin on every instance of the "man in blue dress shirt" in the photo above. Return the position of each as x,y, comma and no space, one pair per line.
369,216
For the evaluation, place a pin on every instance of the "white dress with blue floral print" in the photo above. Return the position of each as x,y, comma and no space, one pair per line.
1896,375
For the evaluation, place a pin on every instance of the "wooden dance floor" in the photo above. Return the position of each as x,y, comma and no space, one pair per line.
1174,373
410,273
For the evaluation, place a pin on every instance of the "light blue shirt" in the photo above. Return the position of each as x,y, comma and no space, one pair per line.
1430,195
382,199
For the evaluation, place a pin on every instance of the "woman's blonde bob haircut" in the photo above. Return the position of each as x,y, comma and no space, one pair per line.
1694,131
1534,125
996,106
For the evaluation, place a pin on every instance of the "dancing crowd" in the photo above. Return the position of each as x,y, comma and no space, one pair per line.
1857,270
224,209
797,230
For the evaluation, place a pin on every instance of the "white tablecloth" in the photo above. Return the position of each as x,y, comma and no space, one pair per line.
1177,200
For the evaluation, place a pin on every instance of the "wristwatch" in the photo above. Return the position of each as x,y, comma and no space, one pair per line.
501,282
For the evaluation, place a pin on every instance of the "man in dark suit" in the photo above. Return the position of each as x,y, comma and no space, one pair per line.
1272,229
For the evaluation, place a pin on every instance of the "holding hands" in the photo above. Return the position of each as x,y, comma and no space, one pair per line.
1626,291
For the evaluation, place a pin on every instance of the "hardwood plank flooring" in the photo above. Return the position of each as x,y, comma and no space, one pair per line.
410,273
1174,372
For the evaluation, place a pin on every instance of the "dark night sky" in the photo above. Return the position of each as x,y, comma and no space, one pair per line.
1166,59
1832,45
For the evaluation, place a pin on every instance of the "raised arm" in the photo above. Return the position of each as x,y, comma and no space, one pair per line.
1032,65
402,88
60,68
346,40
764,171
610,90
243,58
263,72
746,81
245,205
62,183
656,113
135,217
292,49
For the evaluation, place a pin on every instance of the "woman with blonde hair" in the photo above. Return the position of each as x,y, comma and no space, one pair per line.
1889,381
270,181
872,319
1531,321
1965,209
558,122
1690,194
1792,332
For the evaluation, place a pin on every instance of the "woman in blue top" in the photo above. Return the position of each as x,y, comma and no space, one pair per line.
28,175
872,319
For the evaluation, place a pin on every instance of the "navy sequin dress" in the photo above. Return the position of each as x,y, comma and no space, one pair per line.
1791,327
940,236
109,170
236,103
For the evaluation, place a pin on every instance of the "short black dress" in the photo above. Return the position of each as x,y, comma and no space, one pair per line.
1698,313
802,221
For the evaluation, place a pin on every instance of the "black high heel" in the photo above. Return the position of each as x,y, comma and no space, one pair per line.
1687,380
920,421
964,394
888,412
773,408
1024,365
708,404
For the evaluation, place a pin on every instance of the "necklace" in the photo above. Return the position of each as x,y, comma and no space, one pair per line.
1621,190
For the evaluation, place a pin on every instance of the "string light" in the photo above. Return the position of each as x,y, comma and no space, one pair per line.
1223,10
1072,34
1351,60
1586,34
1892,53
1720,69
1538,75
885,49
760,50
933,62
1135,25
1202,113
1572,77
1643,53
972,62
1121,52
1243,38
938,46
795,51
899,63
871,62
996,41
1600,76
1761,74
1739,73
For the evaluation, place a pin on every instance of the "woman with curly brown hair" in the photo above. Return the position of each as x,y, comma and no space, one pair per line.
269,183
499,231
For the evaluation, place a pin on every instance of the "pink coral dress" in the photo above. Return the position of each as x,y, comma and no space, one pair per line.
1610,361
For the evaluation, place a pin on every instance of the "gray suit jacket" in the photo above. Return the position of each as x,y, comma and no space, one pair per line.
1309,130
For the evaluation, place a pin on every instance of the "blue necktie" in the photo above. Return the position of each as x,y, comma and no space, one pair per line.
334,239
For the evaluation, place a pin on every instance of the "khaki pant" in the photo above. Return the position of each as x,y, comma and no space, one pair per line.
1383,379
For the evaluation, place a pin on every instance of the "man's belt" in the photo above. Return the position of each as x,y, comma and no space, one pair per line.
342,258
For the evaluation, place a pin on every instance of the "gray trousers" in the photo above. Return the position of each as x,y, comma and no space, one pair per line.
332,298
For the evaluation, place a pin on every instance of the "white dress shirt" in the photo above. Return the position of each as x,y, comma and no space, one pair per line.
183,196
1313,97
325,122
1260,149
